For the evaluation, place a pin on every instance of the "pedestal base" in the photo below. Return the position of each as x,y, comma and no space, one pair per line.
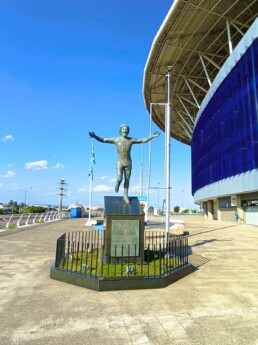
124,235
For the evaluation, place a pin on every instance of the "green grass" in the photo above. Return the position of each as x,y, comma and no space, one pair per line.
89,263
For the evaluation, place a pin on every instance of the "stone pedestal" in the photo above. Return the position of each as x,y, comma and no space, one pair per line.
124,234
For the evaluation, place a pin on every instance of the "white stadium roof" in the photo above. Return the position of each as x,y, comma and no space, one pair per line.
195,39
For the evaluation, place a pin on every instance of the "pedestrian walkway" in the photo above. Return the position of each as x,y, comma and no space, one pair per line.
216,304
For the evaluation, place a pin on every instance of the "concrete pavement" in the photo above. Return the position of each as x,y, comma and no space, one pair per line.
217,304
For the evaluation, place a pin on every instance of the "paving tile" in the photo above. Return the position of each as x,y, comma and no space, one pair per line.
217,304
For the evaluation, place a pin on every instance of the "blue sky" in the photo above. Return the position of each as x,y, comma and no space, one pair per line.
67,68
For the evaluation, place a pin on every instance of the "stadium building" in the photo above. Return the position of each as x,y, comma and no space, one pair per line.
212,48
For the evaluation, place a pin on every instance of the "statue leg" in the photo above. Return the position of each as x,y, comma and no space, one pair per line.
126,199
126,185
119,177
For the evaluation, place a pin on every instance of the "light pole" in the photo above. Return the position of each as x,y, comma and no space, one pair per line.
61,194
158,195
167,150
167,107
141,179
25,197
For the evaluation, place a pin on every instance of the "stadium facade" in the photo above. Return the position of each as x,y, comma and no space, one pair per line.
212,47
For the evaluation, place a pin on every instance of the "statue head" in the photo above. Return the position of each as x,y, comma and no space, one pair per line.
128,128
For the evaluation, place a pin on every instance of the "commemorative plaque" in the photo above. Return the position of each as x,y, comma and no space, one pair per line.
124,234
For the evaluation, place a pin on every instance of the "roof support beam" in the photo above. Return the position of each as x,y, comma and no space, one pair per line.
237,28
191,118
211,61
183,130
187,100
196,84
189,133
198,105
205,69
229,37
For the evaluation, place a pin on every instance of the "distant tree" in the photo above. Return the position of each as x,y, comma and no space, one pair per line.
12,203
186,210
36,209
176,209
14,206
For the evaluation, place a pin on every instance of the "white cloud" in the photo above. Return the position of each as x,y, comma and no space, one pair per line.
112,180
102,188
9,173
58,166
8,137
51,193
36,165
98,188
82,189
103,177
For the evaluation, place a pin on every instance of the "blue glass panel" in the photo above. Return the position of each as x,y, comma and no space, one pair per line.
225,139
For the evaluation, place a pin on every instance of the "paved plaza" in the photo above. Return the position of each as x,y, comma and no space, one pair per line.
216,304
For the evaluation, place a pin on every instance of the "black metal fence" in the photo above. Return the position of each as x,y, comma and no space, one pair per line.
85,253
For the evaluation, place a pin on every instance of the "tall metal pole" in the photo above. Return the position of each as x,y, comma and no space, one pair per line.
25,199
158,197
88,223
149,163
90,201
61,194
141,179
167,150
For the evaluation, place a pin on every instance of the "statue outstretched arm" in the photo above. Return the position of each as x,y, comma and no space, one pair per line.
145,140
155,135
93,135
102,140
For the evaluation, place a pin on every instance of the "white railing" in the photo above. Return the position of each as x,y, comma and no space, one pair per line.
12,221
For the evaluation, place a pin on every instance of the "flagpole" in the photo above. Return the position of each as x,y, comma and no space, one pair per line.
90,201
88,223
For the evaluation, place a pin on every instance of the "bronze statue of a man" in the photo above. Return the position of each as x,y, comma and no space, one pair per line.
124,162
